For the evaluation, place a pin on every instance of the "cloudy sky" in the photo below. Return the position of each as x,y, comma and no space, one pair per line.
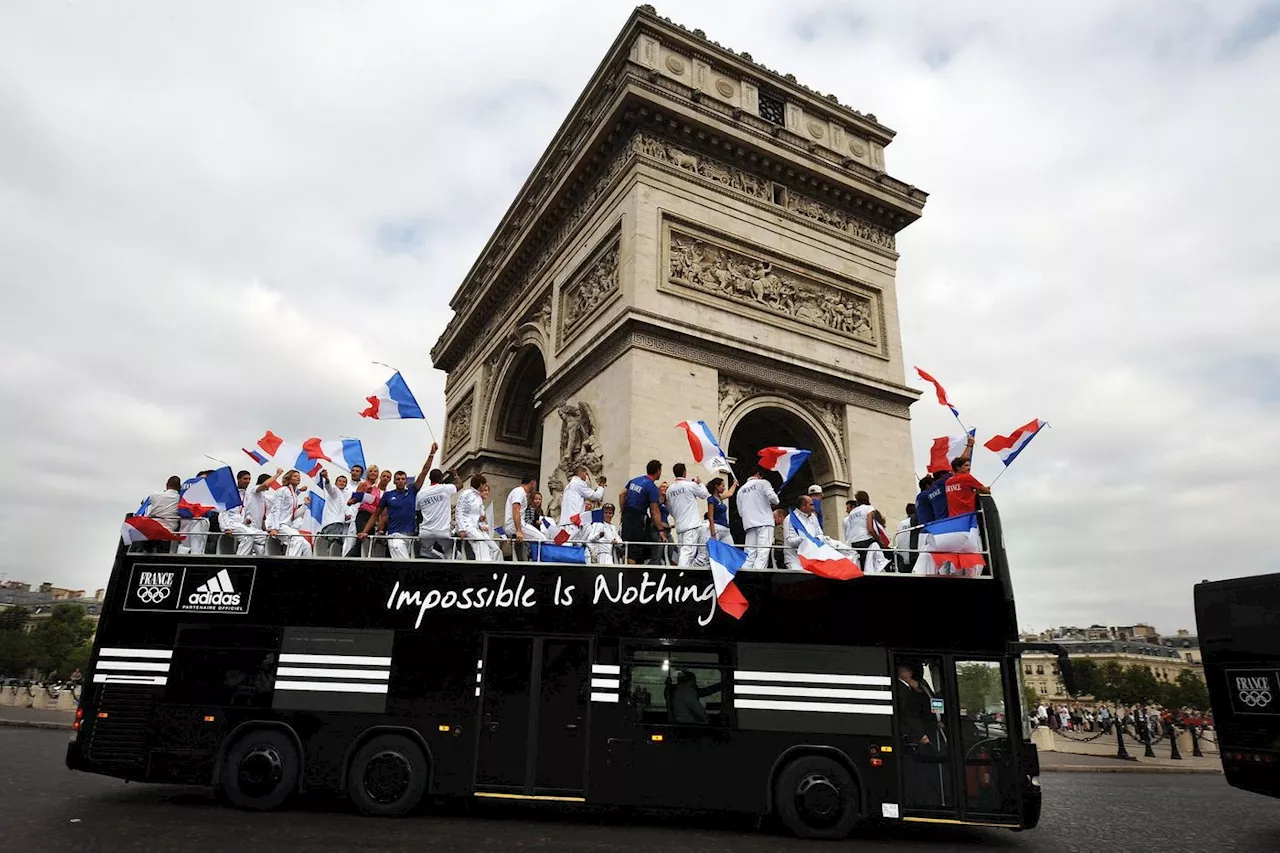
214,216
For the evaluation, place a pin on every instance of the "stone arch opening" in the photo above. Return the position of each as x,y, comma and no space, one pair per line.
769,423
516,423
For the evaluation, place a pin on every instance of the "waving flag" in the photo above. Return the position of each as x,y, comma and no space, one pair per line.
881,535
706,450
817,556
725,562
785,460
1009,446
942,392
288,456
342,452
582,519
947,448
256,456
216,492
391,401
138,528
309,525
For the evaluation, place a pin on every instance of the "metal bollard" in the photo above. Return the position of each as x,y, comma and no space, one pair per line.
1172,735
1147,751
1195,742
1121,752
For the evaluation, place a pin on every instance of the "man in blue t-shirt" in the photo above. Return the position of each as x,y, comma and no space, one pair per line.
399,508
640,500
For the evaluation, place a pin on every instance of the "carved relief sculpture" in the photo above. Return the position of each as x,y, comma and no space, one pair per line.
579,445
592,287
458,432
735,276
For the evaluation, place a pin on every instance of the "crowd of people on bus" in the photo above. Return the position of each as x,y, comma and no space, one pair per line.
656,521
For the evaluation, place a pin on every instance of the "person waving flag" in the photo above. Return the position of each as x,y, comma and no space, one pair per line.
947,448
818,557
787,461
392,400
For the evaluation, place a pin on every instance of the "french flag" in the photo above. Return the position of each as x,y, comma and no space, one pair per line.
942,392
216,492
946,448
139,528
309,524
785,460
256,456
343,452
582,519
955,534
1007,447
725,562
817,556
706,450
392,400
288,456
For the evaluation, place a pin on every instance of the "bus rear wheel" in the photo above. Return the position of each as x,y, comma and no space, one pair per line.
816,797
388,776
260,771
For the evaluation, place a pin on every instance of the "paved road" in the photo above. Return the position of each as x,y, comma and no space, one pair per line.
48,808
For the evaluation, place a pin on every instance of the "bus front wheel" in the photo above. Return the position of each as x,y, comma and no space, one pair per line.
388,776
817,797
260,770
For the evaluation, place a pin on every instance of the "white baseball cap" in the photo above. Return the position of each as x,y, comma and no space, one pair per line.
815,489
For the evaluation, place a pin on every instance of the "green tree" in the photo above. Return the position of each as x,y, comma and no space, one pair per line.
13,619
1030,699
1107,682
979,687
1087,676
55,639
15,645
1137,686
1186,691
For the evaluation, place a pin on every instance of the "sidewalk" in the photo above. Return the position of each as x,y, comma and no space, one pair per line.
34,718
1098,763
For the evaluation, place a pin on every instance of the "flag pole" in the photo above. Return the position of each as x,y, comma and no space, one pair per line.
216,459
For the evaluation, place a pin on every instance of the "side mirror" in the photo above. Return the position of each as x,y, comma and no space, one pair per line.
1064,662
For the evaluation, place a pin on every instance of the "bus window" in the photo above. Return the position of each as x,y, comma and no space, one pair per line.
984,735
674,686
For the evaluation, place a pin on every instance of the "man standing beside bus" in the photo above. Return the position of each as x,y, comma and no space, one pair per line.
756,500
687,501
640,500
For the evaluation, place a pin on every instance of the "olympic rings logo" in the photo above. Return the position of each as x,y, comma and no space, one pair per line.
153,594
1255,698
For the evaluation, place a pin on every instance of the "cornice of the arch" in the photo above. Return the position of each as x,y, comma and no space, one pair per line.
832,456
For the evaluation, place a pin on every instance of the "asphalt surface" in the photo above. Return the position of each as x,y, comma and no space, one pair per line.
48,808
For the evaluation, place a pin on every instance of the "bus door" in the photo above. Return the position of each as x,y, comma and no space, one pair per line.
532,737
956,757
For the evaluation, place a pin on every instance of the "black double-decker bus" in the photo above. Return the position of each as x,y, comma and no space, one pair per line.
882,698
1238,622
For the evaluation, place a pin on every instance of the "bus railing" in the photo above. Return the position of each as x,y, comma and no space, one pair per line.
459,547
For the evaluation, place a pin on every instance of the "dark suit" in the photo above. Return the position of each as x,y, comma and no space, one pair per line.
923,764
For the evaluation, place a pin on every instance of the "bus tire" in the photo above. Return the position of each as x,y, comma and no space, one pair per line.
817,797
260,771
387,776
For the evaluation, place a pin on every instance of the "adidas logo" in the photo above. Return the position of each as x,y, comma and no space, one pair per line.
216,590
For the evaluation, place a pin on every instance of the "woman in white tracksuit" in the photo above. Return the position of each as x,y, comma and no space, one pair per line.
471,522
285,508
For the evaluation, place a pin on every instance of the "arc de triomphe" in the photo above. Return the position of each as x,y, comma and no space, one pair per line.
703,239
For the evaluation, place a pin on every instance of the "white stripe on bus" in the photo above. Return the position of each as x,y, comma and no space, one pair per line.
331,687
135,653
604,697
151,666
816,677
354,660
606,683
822,707
605,669
308,672
811,692
113,678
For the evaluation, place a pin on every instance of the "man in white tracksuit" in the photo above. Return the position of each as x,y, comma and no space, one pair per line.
576,494
195,529
235,522
435,502
687,503
791,537
284,508
473,526
756,500
333,523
